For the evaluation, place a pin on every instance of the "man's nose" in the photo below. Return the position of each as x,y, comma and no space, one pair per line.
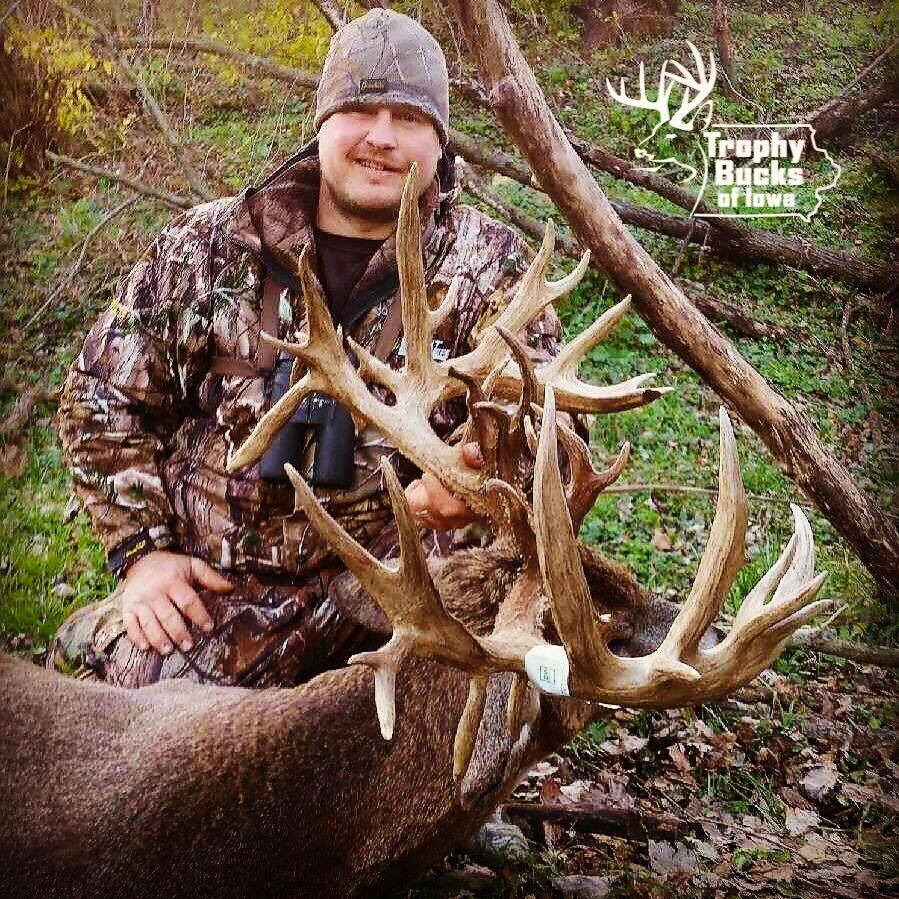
382,134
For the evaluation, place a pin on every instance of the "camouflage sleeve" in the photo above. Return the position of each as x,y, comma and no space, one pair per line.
124,397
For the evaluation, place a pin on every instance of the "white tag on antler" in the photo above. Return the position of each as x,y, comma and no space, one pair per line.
547,667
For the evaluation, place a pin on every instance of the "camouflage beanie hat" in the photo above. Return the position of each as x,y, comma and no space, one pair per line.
385,57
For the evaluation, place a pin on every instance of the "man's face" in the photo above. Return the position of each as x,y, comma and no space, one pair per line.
365,154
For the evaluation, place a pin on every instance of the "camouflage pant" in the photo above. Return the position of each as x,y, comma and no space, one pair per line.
265,634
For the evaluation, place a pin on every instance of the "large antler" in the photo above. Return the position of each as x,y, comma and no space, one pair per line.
422,383
543,532
678,672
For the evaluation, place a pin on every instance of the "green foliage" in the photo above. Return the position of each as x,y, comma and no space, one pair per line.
43,556
290,33
67,60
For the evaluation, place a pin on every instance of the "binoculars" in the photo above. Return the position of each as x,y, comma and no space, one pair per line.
318,418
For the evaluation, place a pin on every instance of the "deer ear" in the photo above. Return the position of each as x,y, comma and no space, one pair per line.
351,599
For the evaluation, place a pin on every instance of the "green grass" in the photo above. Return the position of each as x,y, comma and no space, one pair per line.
40,549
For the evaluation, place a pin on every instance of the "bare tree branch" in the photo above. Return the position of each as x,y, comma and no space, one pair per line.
789,434
259,64
175,200
197,184
714,310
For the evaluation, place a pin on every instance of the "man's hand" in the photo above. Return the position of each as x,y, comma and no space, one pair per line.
433,506
158,598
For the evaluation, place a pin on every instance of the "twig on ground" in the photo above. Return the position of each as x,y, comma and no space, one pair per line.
595,818
169,135
890,47
70,274
178,201
739,320
697,491
813,638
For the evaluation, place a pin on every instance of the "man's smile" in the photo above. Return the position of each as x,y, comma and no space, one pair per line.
377,166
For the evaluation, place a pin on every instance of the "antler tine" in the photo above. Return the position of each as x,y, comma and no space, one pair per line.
575,395
467,729
322,341
410,266
528,379
791,578
534,293
560,565
587,482
724,554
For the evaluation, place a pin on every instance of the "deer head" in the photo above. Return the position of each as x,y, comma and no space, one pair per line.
534,512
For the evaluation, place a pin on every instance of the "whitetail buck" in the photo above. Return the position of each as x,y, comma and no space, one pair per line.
181,790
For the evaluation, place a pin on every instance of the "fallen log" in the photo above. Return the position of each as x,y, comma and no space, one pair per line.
789,434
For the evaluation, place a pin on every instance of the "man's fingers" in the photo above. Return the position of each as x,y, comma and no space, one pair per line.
153,631
471,454
135,634
172,621
203,573
417,497
441,502
190,605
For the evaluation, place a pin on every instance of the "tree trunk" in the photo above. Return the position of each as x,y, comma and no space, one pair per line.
789,434
725,42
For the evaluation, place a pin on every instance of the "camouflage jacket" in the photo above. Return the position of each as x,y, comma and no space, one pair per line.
148,427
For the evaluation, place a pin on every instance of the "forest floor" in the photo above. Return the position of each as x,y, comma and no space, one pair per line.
792,792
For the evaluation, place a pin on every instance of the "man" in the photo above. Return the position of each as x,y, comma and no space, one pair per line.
220,580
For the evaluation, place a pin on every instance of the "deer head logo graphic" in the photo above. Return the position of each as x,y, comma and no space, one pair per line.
759,172
694,92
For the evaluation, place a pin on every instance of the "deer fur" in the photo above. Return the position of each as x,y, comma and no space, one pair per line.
188,790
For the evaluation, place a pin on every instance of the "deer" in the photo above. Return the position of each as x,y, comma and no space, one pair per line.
496,655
